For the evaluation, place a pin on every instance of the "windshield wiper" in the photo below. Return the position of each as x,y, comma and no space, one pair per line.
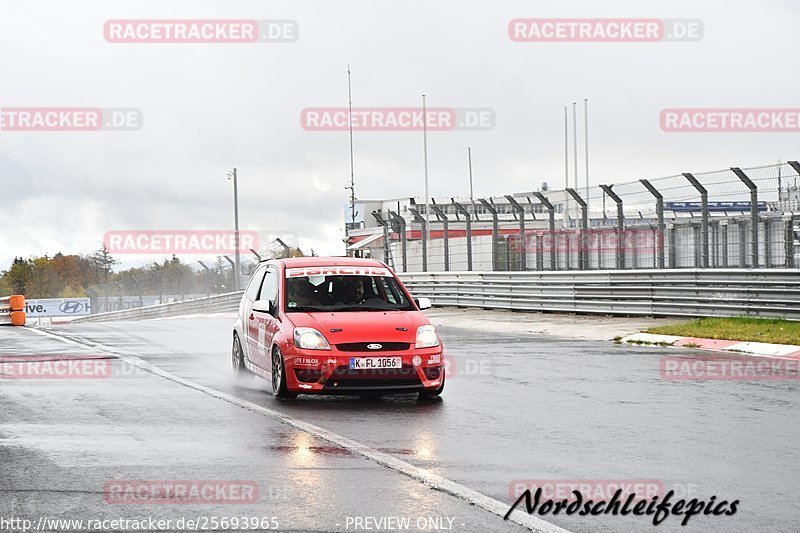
306,309
359,308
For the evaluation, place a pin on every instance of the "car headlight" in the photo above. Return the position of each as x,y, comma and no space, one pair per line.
310,339
426,337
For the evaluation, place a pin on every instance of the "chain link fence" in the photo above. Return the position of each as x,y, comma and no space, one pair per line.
733,218
174,281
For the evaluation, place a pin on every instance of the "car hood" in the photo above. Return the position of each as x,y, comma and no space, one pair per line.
366,326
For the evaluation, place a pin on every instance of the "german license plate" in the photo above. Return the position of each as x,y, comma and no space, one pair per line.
365,363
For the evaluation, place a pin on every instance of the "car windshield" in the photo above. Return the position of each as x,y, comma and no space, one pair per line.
310,292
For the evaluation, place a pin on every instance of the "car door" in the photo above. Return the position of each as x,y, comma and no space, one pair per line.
250,296
264,326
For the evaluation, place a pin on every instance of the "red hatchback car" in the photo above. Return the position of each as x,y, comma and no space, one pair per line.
338,325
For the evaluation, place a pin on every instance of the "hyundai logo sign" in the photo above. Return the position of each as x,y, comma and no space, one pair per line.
71,307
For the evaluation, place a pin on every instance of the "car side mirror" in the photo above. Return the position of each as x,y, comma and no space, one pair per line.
264,306
423,303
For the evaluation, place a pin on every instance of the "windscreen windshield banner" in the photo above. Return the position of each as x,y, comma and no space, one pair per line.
307,272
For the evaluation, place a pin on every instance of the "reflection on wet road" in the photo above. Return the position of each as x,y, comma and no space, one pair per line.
515,408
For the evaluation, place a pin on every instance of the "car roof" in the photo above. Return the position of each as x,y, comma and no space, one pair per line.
294,262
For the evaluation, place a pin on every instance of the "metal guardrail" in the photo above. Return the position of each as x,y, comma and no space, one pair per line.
683,292
209,304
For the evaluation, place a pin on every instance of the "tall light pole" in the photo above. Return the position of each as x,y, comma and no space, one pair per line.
352,172
427,235
566,165
237,270
471,192
586,140
575,147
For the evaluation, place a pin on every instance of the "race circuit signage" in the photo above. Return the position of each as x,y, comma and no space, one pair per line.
47,307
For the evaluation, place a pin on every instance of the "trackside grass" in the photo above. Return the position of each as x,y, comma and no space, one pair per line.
736,329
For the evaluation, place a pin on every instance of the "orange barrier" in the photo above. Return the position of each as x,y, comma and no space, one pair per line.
12,310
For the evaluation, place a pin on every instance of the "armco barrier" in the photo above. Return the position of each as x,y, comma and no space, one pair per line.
676,292
12,310
210,304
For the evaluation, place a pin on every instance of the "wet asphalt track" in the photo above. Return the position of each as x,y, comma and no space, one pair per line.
516,408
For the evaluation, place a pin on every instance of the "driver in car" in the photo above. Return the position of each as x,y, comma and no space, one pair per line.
299,291
353,291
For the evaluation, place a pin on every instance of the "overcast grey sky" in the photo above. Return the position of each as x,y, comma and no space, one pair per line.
210,107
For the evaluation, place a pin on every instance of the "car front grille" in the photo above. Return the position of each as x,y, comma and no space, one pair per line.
344,377
385,346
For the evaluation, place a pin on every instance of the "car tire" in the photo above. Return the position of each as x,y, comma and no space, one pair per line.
279,388
240,371
429,395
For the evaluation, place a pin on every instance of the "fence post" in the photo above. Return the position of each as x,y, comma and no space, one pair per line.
495,230
742,246
233,272
714,228
551,217
92,294
753,210
160,288
443,218
387,253
206,272
660,215
121,289
400,223
767,243
671,244
523,248
419,219
138,289
539,252
461,209
724,238
704,224
789,241
582,256
620,226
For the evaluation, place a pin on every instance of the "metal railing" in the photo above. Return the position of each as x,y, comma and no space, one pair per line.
209,304
651,292
684,292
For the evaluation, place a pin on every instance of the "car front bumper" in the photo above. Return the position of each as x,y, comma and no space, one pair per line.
329,372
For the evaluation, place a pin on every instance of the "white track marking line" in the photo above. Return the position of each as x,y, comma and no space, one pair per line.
428,478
